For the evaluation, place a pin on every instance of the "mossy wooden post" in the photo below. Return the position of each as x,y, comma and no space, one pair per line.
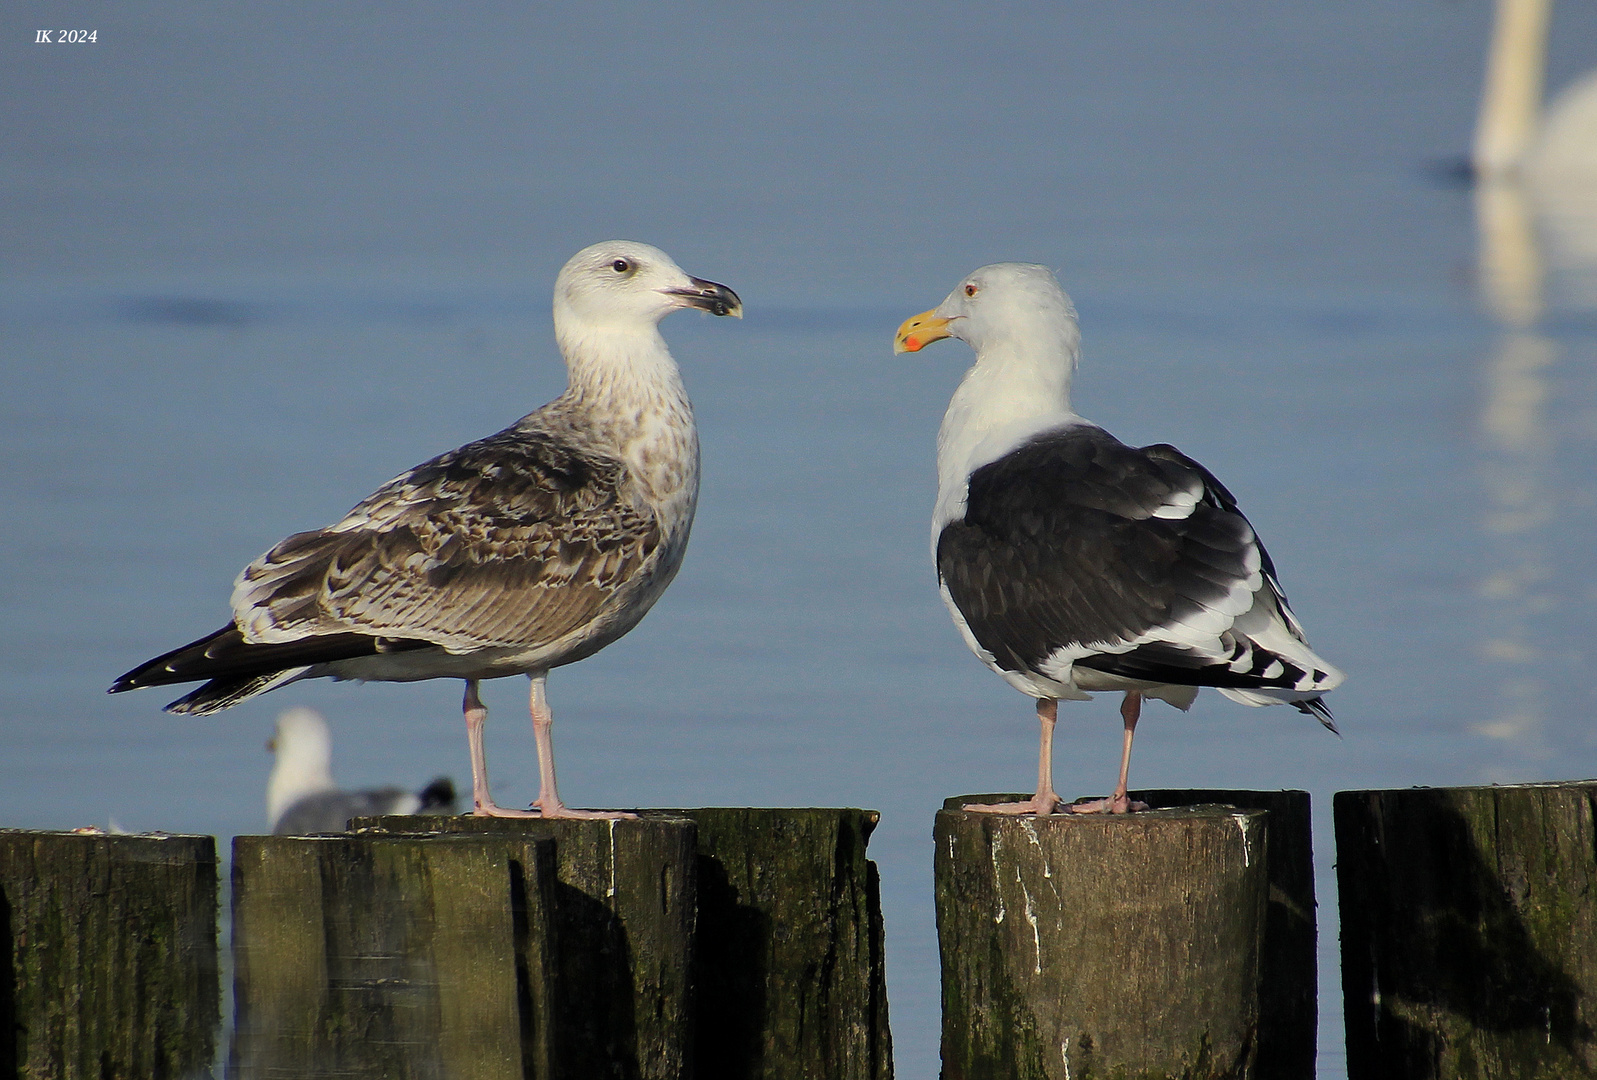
392,957
1289,966
108,958
1100,946
1469,931
624,897
788,963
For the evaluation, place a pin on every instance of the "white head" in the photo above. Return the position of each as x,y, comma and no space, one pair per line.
304,751
625,286
1023,328
1005,307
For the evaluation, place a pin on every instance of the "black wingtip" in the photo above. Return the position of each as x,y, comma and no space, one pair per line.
1316,708
187,663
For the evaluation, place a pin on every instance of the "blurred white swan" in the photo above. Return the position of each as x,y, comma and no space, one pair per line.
1536,215
1536,196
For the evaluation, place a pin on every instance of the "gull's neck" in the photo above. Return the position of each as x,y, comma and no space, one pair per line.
618,367
629,391
1018,387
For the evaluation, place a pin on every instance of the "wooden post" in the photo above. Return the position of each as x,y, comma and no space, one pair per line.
1469,931
1289,966
788,963
624,897
108,960
1100,945
384,957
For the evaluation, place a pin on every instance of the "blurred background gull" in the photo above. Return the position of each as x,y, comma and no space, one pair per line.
301,797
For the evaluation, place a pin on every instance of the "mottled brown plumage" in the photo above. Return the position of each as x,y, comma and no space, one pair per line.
435,554
517,553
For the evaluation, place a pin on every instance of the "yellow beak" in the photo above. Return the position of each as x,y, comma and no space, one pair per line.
919,331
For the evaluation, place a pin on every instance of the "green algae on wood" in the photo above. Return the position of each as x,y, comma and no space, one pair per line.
1097,946
1469,931
108,955
624,897
390,957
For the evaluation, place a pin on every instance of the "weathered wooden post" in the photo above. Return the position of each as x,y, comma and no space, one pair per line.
351,949
108,958
1081,946
387,957
1469,931
624,895
788,963
1289,965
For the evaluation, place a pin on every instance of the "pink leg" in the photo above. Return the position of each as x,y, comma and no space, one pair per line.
1119,802
483,804
548,803
1045,800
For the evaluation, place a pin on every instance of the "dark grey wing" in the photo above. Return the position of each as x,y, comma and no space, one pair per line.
515,540
1217,496
1264,649
1078,546
330,811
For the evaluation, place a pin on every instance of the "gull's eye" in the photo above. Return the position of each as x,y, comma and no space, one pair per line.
970,290
621,266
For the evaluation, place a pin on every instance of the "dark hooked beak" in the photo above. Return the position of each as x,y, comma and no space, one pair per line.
708,296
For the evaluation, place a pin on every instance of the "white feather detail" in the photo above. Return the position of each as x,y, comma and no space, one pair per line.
1180,504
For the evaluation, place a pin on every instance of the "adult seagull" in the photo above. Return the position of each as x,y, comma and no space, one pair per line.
1074,563
512,555
301,797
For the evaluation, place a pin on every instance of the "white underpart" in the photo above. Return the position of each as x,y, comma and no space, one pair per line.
304,760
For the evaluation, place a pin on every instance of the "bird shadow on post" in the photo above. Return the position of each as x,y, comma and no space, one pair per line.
1468,922
595,1032
729,976
1289,962
788,965
529,936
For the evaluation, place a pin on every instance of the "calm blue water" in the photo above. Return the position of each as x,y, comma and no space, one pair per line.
260,259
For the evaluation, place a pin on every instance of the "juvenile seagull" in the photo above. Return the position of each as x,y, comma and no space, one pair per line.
511,555
301,797
1074,563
